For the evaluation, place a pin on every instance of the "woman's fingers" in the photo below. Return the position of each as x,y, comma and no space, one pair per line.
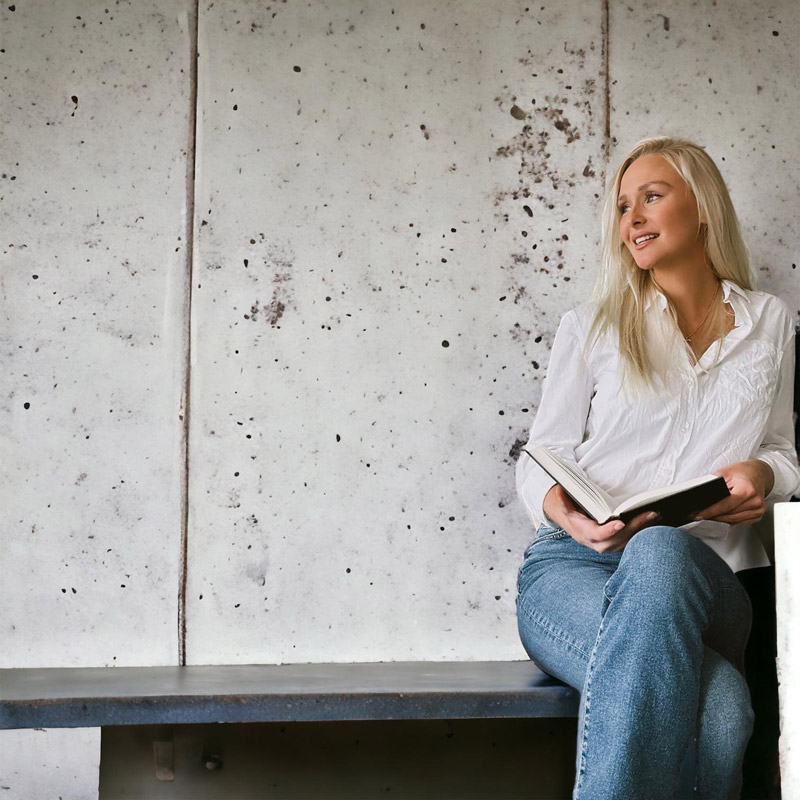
623,533
607,538
733,505
614,535
749,483
644,520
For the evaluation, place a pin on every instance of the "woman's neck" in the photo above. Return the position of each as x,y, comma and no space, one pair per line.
689,291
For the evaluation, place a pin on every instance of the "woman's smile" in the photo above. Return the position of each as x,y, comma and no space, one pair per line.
643,240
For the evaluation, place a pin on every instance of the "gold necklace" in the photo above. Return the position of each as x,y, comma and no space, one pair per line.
710,306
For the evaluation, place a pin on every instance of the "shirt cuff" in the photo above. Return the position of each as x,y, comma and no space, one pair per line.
533,484
785,477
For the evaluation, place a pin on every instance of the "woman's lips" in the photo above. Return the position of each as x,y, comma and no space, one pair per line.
644,243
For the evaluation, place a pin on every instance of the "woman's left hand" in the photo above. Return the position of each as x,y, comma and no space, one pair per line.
749,483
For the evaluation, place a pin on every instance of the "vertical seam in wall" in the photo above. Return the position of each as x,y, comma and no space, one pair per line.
606,88
191,162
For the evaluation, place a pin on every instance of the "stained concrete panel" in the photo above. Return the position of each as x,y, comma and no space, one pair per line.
94,147
391,214
720,74
96,110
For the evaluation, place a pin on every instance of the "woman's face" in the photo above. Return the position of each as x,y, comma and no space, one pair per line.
658,215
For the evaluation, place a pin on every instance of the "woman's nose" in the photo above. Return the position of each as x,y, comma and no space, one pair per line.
637,215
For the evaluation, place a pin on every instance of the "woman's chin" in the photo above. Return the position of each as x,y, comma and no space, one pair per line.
642,260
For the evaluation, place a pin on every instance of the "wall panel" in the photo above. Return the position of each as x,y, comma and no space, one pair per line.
95,106
93,344
390,214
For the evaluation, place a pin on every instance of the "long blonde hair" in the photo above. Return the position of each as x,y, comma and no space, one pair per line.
622,289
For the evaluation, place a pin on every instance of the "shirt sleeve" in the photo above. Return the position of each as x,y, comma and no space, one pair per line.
561,419
777,448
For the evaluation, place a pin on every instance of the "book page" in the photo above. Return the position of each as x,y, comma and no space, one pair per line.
588,495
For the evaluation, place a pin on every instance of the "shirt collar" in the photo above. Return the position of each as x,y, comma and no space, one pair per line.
739,301
656,297
731,293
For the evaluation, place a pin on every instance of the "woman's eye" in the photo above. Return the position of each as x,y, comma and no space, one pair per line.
648,197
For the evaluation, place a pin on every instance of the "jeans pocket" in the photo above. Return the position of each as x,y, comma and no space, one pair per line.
538,552
545,533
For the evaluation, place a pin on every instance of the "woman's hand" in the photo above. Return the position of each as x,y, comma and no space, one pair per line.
608,538
749,483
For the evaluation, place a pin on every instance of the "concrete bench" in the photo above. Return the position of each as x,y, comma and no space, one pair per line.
97,697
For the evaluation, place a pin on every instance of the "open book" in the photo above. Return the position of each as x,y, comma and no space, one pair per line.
676,504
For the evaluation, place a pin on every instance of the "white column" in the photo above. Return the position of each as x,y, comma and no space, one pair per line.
787,580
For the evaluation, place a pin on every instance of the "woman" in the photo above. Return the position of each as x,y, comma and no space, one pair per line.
677,369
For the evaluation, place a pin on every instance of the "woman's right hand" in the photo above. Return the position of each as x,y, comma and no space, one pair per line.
609,538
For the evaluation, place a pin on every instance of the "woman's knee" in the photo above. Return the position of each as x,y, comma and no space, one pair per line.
663,562
661,544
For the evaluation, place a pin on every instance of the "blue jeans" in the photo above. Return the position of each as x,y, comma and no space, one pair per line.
653,638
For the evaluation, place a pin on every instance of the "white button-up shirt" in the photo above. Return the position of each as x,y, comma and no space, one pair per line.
735,404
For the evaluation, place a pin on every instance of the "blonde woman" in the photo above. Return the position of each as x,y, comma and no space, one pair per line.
678,368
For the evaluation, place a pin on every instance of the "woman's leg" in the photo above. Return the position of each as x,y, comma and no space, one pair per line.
560,603
637,626
724,724
646,683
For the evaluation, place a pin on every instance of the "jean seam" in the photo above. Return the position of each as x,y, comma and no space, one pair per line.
587,696
556,536
555,632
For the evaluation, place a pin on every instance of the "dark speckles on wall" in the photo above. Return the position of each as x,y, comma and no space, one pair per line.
560,122
279,265
520,334
274,311
553,125
516,449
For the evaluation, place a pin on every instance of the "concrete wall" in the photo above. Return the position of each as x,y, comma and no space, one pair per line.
385,214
